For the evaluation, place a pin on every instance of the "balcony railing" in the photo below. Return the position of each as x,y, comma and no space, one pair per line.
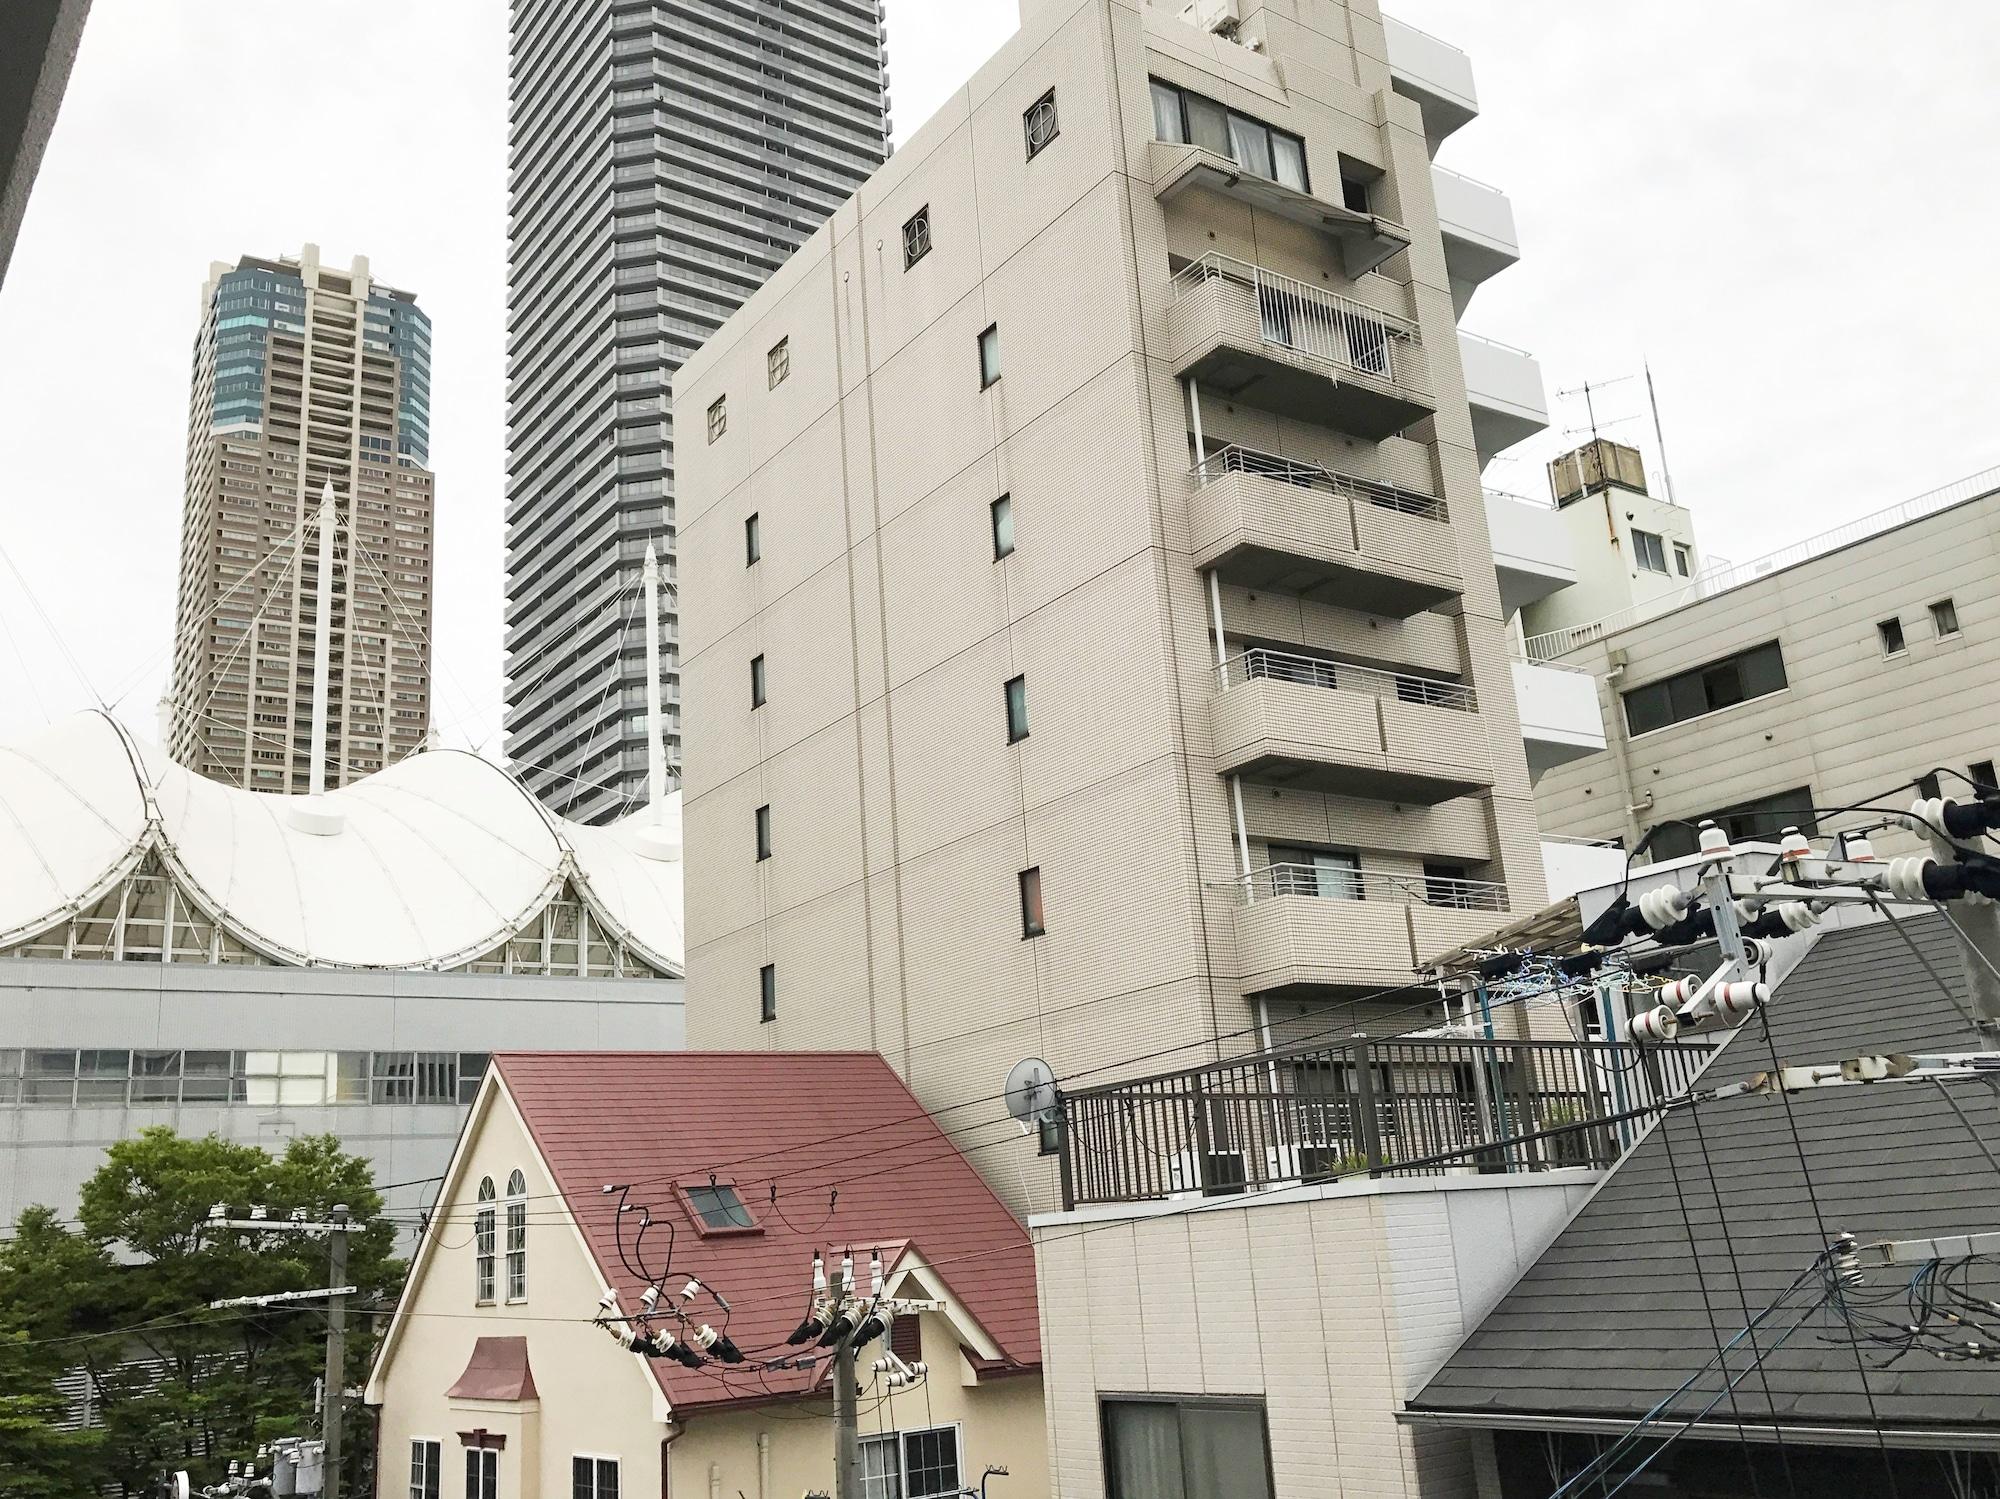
1517,498
1261,664
1331,883
1418,1107
1241,460
1318,324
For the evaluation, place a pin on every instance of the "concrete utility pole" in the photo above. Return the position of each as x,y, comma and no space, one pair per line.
336,1351
847,1433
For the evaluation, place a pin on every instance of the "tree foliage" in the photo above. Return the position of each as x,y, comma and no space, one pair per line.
124,1295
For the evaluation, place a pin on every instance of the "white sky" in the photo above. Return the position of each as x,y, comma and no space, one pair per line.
1786,206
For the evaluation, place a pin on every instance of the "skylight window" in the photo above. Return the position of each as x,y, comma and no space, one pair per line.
717,1207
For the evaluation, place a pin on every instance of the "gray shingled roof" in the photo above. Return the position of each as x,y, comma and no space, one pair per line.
1611,1318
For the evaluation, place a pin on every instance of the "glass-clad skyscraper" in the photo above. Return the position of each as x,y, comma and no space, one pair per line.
666,157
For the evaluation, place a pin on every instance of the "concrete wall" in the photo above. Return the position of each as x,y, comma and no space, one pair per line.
1852,721
1609,578
1332,1305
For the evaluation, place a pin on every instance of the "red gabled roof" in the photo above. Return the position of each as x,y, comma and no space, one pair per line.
808,1124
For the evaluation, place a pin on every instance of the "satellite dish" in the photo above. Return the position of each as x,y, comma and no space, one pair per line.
1031,1090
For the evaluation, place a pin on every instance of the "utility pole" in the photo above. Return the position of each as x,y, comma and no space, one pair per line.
847,1435
336,1352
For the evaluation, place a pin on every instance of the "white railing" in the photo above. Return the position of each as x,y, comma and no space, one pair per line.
1519,498
1718,575
1241,460
1260,664
1318,324
1470,181
1494,343
1327,882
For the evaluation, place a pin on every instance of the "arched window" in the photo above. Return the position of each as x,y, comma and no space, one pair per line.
482,1236
517,1237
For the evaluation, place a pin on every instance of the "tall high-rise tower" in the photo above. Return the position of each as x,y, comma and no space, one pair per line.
664,160
304,376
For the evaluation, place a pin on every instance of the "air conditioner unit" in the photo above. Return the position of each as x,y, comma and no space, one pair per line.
1218,16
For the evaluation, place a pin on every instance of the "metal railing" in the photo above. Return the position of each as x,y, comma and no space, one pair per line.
1318,324
1518,498
1414,1107
1241,460
1261,664
1719,575
1328,882
1495,343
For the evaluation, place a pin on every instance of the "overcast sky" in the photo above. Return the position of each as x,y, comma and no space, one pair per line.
1787,206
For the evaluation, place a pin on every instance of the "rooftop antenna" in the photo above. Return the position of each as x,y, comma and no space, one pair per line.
656,839
314,815
1659,438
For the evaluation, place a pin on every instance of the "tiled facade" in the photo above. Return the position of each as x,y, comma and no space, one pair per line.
304,376
903,813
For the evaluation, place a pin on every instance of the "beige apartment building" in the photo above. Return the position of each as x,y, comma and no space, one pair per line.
1821,676
304,376
1092,646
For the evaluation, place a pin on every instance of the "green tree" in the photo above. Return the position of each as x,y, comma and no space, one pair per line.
179,1386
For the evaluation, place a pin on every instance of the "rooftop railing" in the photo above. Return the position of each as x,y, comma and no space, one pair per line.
1328,882
1319,324
1518,498
1240,460
1406,1107
1261,664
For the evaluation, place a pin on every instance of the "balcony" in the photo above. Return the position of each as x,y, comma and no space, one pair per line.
1286,347
1477,223
1412,1107
1532,552
1435,75
1560,717
1365,240
1503,385
1319,725
1268,522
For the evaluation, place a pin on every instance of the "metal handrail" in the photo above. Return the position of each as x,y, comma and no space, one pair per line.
1466,177
1495,343
1236,459
1308,320
1518,498
1324,883
1259,663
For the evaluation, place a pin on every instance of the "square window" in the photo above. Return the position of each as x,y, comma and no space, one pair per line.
718,417
717,1207
753,543
1981,772
767,993
1928,787
1890,632
763,833
1017,710
1031,903
1353,193
989,355
917,236
778,362
756,681
593,1478
1039,123
1648,551
1944,618
1003,527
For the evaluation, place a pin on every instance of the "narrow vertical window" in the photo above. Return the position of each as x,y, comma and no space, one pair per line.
1039,123
517,1237
1031,903
763,833
1017,710
1683,561
426,1468
1944,618
1003,527
483,1234
917,236
756,681
753,543
1981,772
1890,632
989,355
767,993
718,417
778,362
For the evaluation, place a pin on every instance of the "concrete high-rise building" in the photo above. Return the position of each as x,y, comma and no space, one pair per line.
1093,643
665,160
304,376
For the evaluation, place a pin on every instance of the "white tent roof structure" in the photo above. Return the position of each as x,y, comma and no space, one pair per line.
436,860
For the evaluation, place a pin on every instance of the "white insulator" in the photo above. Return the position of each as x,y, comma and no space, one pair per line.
1662,907
1860,850
1906,877
1679,992
1661,1024
1734,1002
1792,845
1926,815
1797,916
1713,839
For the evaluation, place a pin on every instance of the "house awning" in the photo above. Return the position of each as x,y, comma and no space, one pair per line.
497,1370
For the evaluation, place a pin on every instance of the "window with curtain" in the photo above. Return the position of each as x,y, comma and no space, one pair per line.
517,1237
1185,1449
483,1245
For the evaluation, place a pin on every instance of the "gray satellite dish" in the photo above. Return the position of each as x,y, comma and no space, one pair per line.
1031,1090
